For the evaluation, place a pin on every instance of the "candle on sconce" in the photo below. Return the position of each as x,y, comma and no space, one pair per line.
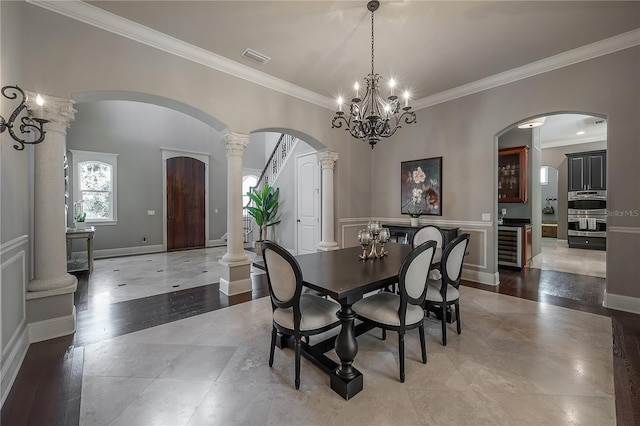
40,103
406,98
340,104
392,84
356,86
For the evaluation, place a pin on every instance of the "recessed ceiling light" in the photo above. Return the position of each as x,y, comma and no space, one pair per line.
534,122
580,133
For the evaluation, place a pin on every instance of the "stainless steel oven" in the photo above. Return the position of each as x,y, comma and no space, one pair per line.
587,219
587,225
584,202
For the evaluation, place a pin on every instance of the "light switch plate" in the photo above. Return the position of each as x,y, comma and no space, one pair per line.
486,217
151,212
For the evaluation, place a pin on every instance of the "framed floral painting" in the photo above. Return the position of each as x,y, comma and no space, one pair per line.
421,190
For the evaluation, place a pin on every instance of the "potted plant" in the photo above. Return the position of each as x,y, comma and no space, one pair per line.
264,211
79,215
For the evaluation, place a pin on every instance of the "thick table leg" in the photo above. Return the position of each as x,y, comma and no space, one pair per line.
346,380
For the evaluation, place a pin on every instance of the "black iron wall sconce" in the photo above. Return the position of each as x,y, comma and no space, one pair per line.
27,127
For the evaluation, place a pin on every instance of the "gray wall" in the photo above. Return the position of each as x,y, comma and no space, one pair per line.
15,209
556,158
464,131
137,132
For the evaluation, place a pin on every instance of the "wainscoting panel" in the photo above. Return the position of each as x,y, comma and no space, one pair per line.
14,340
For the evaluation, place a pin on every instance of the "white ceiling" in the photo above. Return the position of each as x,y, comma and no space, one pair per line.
572,129
429,46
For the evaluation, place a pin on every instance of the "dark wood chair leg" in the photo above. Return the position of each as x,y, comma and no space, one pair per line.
458,317
306,339
401,353
423,344
298,363
273,345
444,324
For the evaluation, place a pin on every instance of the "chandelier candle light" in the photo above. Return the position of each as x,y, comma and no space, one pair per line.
372,117
376,236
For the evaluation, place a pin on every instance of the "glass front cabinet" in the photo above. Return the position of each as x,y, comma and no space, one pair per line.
512,174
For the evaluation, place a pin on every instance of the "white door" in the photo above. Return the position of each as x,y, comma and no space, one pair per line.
308,203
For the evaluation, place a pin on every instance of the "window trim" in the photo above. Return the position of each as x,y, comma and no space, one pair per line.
544,174
78,157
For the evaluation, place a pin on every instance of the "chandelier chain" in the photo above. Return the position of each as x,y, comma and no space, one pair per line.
372,40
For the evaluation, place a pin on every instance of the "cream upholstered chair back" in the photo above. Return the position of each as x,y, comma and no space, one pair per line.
414,274
454,258
427,233
283,275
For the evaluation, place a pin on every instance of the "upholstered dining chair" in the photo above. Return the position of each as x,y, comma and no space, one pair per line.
295,313
427,233
443,293
403,311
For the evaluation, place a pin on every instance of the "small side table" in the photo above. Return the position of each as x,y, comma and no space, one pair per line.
75,264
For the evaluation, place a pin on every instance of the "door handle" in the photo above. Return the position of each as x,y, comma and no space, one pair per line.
298,220
168,216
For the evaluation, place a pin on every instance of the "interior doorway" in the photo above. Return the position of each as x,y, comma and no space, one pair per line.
185,181
185,203
551,140
307,203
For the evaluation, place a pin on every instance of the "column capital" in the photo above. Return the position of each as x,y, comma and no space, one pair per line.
234,143
59,111
327,159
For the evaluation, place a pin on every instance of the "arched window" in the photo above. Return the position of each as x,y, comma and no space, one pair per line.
94,185
248,182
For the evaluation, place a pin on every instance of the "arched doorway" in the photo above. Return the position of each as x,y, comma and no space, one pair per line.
551,141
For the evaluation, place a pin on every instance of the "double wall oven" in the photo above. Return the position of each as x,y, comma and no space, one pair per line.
587,219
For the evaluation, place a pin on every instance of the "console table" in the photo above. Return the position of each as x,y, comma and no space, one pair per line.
404,233
77,263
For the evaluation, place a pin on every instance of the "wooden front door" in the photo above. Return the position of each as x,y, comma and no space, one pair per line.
185,203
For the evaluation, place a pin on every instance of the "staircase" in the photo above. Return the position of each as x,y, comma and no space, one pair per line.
269,174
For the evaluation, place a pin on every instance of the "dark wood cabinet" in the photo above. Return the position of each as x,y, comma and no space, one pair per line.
587,170
404,233
513,173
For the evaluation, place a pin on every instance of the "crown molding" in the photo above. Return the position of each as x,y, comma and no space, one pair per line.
571,57
99,18
108,21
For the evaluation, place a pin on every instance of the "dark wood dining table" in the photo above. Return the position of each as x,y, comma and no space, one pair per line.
341,275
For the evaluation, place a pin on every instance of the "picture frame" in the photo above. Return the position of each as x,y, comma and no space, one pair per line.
421,187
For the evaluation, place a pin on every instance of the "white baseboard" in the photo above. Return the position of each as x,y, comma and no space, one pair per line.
620,302
52,328
127,251
216,243
13,362
481,277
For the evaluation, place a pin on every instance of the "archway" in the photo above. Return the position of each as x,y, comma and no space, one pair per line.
551,141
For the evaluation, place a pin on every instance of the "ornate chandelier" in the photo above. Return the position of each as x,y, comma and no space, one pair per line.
373,117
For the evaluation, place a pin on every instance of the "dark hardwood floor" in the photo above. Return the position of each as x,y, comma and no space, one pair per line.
48,387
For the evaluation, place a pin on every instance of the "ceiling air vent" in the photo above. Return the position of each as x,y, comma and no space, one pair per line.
256,56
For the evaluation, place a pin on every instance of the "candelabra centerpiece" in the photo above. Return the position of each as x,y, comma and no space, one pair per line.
374,236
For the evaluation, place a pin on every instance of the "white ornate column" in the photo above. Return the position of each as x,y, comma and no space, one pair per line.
236,275
327,161
50,261
50,307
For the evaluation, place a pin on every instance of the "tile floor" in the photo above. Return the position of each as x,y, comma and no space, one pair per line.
133,277
516,362
557,256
